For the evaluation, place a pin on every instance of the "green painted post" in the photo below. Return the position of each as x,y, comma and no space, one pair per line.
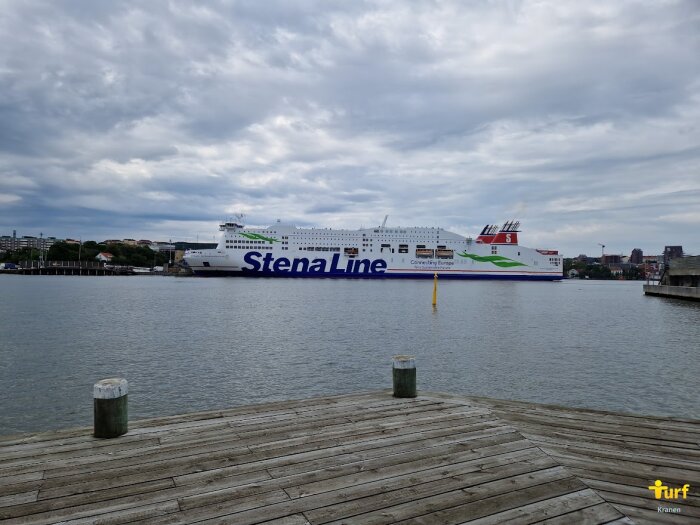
404,375
111,408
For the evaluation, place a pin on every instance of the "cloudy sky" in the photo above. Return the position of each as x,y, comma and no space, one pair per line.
158,119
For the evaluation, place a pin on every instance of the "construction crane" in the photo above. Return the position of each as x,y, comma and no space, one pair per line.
602,252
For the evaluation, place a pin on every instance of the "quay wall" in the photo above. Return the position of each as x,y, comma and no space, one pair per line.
680,292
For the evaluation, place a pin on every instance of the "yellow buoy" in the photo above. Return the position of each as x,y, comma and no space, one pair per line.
435,289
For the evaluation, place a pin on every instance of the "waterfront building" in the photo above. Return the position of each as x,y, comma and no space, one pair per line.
162,246
26,241
611,259
680,279
615,269
637,256
672,252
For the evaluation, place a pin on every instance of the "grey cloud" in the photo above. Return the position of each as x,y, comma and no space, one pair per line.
131,117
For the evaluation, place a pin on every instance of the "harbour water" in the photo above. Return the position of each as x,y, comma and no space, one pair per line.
188,344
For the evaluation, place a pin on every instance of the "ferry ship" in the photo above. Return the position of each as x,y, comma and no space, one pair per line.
283,250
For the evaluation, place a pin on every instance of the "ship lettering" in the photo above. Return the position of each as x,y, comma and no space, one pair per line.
258,263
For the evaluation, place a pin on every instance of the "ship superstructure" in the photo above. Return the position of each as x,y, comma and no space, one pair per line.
283,250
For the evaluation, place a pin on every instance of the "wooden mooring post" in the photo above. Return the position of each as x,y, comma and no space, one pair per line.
111,408
404,375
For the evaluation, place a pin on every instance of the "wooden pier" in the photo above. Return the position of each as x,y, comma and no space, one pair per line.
359,459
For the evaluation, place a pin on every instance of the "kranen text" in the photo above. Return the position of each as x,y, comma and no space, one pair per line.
258,263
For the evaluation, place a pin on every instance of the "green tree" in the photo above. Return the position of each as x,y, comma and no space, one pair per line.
596,271
23,254
62,251
632,274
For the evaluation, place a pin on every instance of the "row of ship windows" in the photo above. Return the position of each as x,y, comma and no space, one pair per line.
421,250
246,242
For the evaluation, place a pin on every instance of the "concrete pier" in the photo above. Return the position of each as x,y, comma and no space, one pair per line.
366,458
681,280
678,292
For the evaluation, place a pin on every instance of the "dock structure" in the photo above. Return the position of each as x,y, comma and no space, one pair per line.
365,459
681,280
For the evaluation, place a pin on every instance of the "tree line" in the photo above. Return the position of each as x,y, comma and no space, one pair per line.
124,254
598,271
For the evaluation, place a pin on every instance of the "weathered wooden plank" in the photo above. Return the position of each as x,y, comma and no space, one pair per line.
357,459
97,458
210,497
47,460
510,446
86,442
18,498
300,462
52,498
426,446
603,453
312,452
602,427
225,512
214,494
128,515
653,517
83,515
649,504
574,507
474,501
26,477
116,507
434,467
159,490
592,440
515,405
582,418
271,407
386,421
51,435
66,490
132,464
618,479
487,506
296,519
321,433
639,489
390,502
610,465
300,456
172,468
321,501
594,515
256,419
94,462
293,428
17,488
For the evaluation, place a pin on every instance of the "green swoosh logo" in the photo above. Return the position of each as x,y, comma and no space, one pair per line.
258,237
498,260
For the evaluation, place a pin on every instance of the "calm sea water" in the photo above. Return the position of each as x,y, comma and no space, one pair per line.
188,344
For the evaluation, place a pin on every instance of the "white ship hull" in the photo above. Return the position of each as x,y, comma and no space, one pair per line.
287,251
